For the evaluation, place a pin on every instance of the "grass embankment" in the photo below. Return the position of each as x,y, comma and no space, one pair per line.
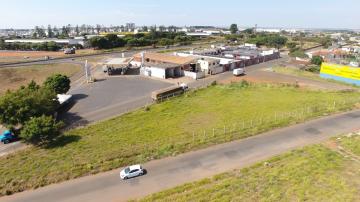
198,119
13,78
315,173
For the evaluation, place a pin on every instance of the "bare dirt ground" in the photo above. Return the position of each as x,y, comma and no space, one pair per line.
21,56
264,76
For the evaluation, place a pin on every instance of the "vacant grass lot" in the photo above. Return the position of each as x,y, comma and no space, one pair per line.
224,112
13,78
314,173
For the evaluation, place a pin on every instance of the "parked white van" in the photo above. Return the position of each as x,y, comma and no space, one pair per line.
239,72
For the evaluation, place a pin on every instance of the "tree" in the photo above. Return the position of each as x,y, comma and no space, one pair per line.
166,42
77,31
234,28
291,45
100,43
162,28
64,32
19,106
50,32
317,60
40,130
59,83
39,32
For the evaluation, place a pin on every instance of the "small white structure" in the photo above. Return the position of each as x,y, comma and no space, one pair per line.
195,75
161,71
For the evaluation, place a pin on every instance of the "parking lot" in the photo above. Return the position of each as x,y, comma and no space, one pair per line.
110,97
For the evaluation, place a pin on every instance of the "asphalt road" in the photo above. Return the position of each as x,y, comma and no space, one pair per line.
173,171
110,97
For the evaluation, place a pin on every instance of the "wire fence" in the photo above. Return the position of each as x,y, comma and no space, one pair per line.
238,129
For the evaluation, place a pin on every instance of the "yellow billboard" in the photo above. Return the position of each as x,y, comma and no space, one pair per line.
342,71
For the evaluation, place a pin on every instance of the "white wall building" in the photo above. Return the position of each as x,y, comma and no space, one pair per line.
210,65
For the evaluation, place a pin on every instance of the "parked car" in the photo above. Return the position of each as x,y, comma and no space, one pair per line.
239,72
7,137
132,171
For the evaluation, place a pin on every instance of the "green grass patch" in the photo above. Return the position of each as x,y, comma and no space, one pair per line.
314,173
214,115
351,143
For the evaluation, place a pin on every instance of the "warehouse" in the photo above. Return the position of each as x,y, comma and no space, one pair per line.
186,63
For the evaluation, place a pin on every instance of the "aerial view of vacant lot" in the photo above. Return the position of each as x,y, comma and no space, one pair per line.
13,78
169,128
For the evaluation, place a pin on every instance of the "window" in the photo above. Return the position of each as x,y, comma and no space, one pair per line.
127,170
134,171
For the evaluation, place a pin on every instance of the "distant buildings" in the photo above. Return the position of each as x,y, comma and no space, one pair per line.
57,41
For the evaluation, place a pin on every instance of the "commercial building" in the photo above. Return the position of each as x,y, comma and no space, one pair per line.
161,70
186,63
167,66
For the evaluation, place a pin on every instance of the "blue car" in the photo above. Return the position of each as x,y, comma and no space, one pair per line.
7,137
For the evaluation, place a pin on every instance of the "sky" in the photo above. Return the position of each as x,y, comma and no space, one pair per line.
265,13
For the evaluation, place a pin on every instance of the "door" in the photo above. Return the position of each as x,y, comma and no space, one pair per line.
134,173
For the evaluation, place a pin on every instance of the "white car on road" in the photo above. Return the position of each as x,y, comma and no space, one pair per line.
132,171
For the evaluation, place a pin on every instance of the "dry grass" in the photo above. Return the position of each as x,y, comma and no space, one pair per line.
314,173
163,130
13,78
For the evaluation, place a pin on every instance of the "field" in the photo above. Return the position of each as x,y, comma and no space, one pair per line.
196,120
23,56
314,173
13,78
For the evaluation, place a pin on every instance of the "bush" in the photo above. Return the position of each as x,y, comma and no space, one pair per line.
298,53
58,83
317,60
166,42
314,69
40,130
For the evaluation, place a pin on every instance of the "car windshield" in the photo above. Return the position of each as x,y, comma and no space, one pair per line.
127,170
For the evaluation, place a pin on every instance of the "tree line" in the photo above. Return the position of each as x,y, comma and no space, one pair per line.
46,46
31,108
141,39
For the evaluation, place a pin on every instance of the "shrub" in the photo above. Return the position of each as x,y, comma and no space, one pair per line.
59,83
317,60
40,130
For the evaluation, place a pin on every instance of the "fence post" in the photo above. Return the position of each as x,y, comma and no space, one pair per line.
213,132
193,136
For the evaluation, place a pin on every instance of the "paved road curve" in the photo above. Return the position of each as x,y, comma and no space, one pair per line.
169,172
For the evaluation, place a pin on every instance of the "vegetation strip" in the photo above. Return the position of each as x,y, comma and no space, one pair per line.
218,114
315,173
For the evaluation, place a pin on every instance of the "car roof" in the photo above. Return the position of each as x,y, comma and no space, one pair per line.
133,167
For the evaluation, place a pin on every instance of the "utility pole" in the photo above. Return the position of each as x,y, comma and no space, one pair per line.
87,72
